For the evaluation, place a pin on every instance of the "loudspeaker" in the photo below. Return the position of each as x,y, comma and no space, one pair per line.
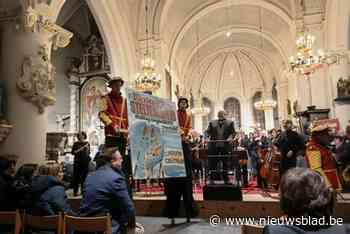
222,192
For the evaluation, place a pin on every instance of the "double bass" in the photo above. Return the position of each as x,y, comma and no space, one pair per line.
270,170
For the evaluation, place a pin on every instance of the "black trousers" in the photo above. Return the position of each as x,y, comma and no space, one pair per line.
287,163
213,163
175,188
80,172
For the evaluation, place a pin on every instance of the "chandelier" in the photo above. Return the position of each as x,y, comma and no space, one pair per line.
147,80
306,61
199,109
265,104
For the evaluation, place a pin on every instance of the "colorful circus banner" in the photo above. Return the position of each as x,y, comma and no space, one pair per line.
155,143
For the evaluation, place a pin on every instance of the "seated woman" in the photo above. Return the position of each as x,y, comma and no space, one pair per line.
48,193
22,184
305,194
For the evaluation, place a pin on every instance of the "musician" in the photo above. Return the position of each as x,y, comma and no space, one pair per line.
175,188
263,157
290,144
319,157
222,133
81,152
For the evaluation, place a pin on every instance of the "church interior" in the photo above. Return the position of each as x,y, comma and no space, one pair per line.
277,71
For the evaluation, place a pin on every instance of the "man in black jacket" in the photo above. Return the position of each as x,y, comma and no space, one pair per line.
221,133
291,145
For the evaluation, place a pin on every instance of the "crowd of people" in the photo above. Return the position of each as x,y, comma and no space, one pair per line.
319,149
41,191
308,173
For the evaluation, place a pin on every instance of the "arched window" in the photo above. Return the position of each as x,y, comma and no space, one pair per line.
233,108
259,116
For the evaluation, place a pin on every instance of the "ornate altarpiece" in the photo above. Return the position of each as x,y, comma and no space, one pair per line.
88,76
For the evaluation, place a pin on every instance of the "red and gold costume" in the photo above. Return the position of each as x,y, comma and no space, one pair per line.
114,114
185,123
320,159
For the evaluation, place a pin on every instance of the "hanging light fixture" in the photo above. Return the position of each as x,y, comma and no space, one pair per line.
148,80
198,108
228,33
264,103
306,62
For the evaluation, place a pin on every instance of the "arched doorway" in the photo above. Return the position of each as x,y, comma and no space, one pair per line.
233,108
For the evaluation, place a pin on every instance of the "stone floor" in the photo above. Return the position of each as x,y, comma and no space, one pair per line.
157,225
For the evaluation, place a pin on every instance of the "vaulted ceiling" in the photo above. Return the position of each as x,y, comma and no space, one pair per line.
251,39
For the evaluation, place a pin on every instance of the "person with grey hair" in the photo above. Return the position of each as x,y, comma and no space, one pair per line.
221,132
304,194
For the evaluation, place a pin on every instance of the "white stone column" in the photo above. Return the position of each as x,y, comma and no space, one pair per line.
198,123
282,96
247,114
73,86
269,121
28,76
268,111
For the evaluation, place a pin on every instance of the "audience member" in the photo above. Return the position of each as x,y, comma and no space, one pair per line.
7,191
48,193
106,192
305,194
23,183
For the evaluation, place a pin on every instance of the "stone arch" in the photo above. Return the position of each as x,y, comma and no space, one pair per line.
116,35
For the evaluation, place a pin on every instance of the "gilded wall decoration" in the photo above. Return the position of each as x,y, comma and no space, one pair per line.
35,82
343,87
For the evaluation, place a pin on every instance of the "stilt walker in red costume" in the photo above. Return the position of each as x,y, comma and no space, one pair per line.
175,188
113,113
320,159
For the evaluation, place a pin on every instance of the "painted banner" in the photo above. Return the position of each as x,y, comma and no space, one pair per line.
155,143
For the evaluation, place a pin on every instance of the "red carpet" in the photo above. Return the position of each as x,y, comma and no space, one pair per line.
198,189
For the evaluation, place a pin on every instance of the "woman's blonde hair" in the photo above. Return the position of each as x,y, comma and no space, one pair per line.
51,168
